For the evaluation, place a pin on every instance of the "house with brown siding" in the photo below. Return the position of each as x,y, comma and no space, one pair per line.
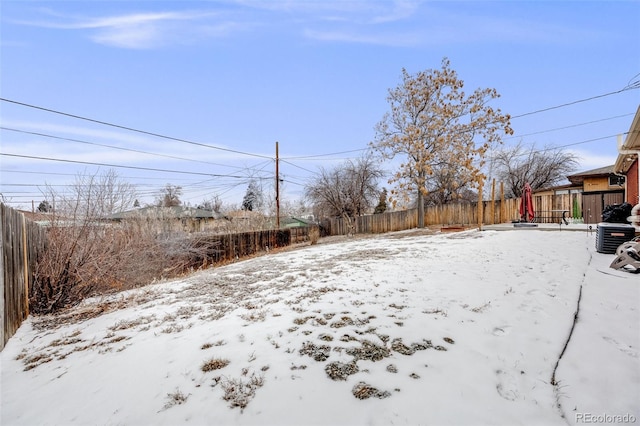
601,187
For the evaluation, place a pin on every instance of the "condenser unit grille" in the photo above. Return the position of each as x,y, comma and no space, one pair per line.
611,235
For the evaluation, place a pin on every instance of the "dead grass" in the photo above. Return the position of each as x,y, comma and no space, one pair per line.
214,364
175,398
341,371
363,390
239,392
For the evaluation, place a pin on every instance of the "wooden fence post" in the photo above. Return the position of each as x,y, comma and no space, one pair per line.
480,207
502,206
25,267
493,202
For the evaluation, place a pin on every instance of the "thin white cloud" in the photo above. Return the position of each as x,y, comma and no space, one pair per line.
412,24
352,11
408,23
75,131
402,9
589,160
365,37
144,30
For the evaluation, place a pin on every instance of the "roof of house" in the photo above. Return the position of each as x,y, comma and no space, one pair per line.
566,186
180,212
578,178
631,143
294,221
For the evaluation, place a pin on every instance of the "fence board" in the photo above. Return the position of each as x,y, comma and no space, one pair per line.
22,243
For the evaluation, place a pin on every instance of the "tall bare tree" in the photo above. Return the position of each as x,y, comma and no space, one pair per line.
435,125
348,190
449,185
92,196
541,168
88,255
213,204
169,196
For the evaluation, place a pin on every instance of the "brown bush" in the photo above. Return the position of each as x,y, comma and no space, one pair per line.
314,234
91,259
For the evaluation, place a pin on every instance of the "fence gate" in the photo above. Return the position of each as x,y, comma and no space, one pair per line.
594,203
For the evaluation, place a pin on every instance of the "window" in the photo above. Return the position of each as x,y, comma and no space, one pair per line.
615,180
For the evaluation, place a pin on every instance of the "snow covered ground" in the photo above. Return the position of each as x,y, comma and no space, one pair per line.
404,328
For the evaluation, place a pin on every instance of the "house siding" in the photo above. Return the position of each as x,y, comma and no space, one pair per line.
600,183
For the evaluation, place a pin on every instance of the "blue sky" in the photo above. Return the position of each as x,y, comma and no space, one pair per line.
312,75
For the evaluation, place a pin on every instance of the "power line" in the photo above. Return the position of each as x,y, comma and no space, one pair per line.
569,127
118,166
630,86
564,146
307,157
75,174
144,132
301,168
115,147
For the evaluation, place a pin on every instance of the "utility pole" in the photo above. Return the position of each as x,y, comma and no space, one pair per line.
277,190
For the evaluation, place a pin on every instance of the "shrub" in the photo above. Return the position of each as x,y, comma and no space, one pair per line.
314,234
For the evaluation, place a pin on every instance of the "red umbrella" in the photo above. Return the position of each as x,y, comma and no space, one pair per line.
526,204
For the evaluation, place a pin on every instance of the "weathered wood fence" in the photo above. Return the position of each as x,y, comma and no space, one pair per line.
226,247
461,214
22,242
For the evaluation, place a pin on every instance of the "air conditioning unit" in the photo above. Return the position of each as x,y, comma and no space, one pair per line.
611,235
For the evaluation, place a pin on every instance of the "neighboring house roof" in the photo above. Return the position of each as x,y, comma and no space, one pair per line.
578,178
294,221
567,186
179,212
631,143
36,216
244,214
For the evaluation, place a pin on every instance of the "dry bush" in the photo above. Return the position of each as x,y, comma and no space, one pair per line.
87,255
239,393
175,398
99,258
314,234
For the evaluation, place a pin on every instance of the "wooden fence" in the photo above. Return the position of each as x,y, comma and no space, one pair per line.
371,224
462,214
227,247
22,242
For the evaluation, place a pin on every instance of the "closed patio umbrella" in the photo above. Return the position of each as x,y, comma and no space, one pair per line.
527,212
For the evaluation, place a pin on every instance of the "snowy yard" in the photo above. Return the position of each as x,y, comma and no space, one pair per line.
406,328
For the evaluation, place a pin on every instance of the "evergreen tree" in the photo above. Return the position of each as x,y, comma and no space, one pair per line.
252,198
44,207
382,204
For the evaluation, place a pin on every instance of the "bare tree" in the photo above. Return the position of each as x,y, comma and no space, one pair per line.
449,184
88,255
348,190
541,168
213,204
92,196
435,125
169,196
